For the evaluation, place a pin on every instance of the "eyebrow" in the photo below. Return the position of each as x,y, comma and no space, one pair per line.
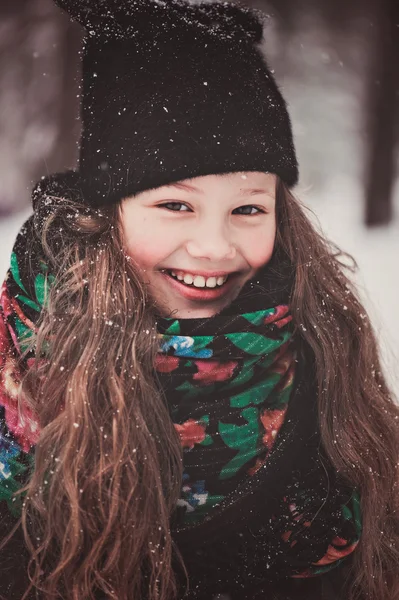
183,186
192,188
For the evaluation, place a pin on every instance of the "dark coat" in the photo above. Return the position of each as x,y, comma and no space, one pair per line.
14,581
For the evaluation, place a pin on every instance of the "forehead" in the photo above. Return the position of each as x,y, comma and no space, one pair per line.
246,181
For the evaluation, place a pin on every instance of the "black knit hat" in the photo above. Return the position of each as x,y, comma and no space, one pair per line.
172,90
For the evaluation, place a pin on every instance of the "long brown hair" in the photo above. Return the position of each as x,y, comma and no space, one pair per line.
358,416
108,462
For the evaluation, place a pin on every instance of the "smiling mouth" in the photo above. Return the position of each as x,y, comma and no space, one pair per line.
197,281
197,289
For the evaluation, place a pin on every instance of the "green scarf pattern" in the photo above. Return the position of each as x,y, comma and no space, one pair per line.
227,394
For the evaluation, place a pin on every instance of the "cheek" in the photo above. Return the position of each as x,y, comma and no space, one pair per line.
145,241
259,247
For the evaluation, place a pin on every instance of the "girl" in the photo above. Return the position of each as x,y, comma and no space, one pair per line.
192,400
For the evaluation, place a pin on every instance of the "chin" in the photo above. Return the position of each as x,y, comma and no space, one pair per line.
201,312
196,314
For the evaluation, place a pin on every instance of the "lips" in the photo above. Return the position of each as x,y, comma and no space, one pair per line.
201,294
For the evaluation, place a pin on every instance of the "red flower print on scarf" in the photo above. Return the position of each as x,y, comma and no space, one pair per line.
304,575
332,555
191,432
6,309
166,364
19,420
210,371
284,365
280,317
5,301
272,421
336,550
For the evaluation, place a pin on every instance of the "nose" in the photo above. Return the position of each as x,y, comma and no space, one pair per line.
212,243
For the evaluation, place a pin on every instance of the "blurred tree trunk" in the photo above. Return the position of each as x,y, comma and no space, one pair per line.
383,110
68,128
38,96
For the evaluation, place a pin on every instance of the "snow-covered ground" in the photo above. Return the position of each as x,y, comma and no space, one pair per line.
324,81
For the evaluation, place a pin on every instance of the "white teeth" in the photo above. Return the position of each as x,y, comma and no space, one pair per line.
198,280
179,276
211,282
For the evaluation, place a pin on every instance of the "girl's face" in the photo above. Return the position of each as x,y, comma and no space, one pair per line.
187,238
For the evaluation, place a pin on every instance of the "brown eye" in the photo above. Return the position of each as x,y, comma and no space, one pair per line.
173,206
248,208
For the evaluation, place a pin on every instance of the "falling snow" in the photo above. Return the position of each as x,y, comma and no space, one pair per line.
331,173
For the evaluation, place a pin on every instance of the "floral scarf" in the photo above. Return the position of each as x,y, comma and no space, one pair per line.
235,396
228,396
257,490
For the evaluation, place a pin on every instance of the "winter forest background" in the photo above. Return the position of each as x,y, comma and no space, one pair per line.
337,63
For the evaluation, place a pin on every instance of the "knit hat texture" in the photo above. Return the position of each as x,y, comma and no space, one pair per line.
172,90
